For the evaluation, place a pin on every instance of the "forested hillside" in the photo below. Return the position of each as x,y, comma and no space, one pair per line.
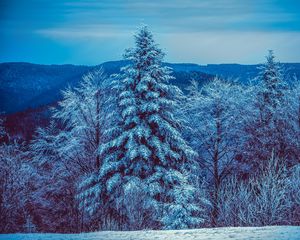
26,85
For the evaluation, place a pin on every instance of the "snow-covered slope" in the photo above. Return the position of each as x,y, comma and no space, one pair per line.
233,233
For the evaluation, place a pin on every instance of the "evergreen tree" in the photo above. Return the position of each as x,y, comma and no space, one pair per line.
271,89
268,130
146,146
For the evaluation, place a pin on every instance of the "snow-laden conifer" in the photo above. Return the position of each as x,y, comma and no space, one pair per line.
146,144
271,87
270,129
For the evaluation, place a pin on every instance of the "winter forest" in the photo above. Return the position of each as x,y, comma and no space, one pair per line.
132,151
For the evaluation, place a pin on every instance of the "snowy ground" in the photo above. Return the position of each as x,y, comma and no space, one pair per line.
233,233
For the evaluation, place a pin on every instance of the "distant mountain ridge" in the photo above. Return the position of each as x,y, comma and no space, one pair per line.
26,85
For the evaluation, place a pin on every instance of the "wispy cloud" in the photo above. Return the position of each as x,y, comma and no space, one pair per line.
190,30
231,46
79,32
193,14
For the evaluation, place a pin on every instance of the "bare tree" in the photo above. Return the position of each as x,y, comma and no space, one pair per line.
216,115
259,201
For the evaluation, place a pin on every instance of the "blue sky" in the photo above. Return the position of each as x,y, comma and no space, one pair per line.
200,31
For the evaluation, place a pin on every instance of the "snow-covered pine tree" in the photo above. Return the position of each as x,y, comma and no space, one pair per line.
146,150
271,87
268,130
294,112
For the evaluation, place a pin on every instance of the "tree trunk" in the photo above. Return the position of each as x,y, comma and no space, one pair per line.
97,129
215,211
